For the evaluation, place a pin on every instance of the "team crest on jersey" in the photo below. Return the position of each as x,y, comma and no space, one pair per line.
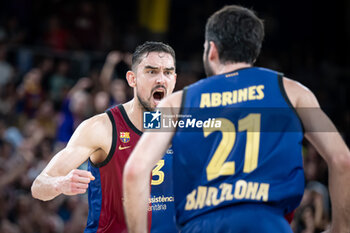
124,136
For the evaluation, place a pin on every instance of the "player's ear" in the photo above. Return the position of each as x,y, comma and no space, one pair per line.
131,78
213,53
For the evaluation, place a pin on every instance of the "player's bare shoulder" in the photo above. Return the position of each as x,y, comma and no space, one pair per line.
101,129
95,131
298,94
99,123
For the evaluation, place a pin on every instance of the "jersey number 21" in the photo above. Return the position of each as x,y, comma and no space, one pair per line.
217,165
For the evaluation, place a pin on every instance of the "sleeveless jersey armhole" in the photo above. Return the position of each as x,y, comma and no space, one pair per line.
114,142
183,100
128,121
285,96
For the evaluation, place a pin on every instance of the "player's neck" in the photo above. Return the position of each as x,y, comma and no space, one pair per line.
229,67
135,113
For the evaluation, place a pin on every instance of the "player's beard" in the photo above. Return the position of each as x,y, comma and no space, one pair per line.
208,70
144,103
147,104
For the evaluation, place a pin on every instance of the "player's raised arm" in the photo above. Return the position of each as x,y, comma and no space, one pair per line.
322,134
136,177
60,175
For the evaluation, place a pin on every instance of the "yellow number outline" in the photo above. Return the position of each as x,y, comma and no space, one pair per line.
217,165
157,172
251,124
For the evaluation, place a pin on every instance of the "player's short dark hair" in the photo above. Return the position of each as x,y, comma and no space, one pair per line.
150,46
237,32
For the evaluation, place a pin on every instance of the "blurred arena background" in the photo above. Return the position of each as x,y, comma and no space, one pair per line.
63,61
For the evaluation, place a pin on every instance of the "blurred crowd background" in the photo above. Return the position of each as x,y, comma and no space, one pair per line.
63,61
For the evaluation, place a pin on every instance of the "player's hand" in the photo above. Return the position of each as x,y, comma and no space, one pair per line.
114,57
76,182
128,59
83,83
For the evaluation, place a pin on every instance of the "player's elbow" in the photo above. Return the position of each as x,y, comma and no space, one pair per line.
133,171
36,192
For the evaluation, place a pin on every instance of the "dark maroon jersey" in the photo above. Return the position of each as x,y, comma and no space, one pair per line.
106,212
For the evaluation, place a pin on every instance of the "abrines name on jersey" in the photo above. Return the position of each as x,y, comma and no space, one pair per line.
232,97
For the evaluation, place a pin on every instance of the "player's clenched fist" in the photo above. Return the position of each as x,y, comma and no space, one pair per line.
76,182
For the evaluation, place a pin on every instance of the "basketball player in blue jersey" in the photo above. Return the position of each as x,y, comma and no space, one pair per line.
106,141
237,147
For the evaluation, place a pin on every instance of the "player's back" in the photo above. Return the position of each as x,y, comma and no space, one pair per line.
245,150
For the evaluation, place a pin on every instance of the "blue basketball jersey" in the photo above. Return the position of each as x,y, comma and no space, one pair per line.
162,197
240,144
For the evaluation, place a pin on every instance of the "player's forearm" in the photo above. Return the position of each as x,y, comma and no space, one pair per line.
136,190
106,75
339,177
45,187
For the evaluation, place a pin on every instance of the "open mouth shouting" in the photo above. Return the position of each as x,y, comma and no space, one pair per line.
158,94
